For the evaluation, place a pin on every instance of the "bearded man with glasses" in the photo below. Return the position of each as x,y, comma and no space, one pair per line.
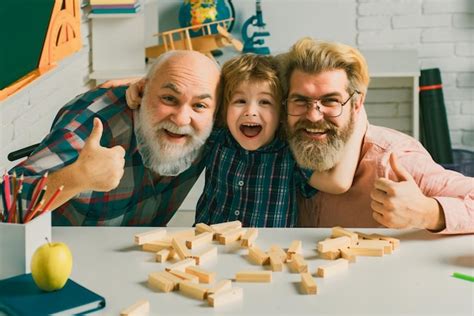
396,183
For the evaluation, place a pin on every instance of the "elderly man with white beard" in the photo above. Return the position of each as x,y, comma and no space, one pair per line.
123,167
396,183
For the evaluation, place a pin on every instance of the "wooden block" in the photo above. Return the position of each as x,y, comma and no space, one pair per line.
226,297
298,264
295,247
334,244
332,268
222,285
277,249
193,290
155,246
199,240
181,265
339,232
165,254
258,256
203,275
385,245
364,236
205,255
203,228
140,308
180,248
367,252
253,276
158,280
185,276
151,235
394,241
308,285
231,236
348,255
330,255
182,234
276,262
221,226
249,238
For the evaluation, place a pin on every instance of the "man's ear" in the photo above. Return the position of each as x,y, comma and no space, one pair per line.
359,103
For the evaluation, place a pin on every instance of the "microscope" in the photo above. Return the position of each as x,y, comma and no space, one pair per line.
252,43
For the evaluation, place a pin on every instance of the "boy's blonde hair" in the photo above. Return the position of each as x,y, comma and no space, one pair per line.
247,67
315,56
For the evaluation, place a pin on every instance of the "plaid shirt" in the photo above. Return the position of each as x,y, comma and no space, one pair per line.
256,187
142,198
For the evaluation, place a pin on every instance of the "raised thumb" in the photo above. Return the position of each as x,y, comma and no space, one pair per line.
96,133
400,172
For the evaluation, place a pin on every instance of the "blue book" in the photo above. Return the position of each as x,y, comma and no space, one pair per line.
20,296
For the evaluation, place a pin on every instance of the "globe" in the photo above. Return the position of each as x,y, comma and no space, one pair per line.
195,12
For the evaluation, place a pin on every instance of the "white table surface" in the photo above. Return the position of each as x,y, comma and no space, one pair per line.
414,280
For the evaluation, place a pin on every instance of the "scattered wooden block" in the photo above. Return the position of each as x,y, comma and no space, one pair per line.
182,234
180,248
298,264
385,245
203,228
330,255
339,232
332,268
203,275
199,240
249,238
185,276
222,285
349,255
181,265
193,290
225,297
280,252
276,262
163,281
364,236
367,252
253,276
221,226
152,235
308,285
230,236
257,256
295,247
165,254
334,244
140,308
155,246
205,255
394,241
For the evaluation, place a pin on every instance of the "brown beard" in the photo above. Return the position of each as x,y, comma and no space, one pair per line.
319,155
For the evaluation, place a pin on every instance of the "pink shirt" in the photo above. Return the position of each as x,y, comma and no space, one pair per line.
452,190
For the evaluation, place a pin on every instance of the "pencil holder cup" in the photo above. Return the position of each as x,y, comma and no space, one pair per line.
18,242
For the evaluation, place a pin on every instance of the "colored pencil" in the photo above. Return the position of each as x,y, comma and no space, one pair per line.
37,191
51,199
30,215
463,276
20,204
6,190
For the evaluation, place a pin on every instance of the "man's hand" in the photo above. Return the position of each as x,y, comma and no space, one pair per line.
134,94
401,204
101,168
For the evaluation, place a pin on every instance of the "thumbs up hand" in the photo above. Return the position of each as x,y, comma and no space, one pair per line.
401,204
101,168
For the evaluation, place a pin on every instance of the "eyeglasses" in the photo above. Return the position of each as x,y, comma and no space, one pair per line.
329,107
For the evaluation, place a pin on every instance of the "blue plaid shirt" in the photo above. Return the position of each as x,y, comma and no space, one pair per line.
142,197
256,187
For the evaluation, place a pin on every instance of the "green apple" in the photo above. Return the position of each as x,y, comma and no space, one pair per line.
51,266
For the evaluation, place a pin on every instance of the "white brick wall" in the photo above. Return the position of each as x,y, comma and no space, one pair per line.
26,117
443,33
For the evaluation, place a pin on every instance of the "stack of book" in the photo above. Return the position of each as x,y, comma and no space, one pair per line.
115,6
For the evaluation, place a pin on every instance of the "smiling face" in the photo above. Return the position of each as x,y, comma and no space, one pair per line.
253,114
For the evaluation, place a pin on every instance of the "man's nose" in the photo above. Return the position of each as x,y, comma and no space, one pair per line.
182,115
313,114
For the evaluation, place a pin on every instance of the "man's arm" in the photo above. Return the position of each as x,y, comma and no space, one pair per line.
339,179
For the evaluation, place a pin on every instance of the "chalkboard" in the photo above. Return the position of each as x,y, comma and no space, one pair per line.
23,28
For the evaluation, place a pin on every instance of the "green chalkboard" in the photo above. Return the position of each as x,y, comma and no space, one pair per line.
23,28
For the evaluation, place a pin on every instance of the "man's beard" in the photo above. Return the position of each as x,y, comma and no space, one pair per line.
163,157
320,155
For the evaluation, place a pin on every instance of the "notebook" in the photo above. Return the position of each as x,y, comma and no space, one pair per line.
20,296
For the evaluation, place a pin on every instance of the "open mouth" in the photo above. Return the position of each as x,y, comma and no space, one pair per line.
174,135
250,129
315,133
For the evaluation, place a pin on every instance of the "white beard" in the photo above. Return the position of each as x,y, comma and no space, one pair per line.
161,156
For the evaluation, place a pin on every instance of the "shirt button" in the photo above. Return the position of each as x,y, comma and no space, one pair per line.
241,183
237,212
